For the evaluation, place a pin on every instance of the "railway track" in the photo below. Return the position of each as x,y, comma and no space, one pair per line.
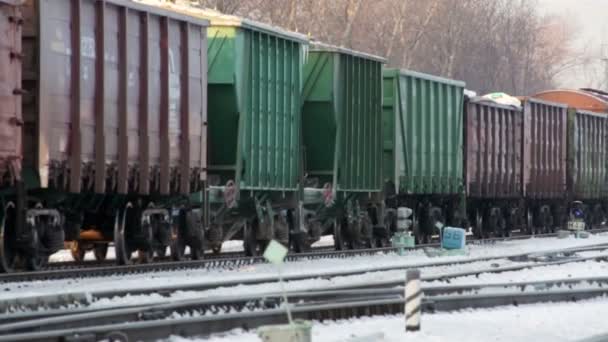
76,272
207,316
79,300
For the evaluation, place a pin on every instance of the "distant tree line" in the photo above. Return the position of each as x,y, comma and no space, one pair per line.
493,45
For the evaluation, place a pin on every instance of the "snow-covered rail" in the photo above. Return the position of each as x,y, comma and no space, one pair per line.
71,270
206,316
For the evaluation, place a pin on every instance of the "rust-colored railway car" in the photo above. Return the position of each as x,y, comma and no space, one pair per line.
103,126
544,163
493,154
493,164
583,99
10,93
116,97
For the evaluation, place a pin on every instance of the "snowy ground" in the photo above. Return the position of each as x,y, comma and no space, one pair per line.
154,280
554,322
228,246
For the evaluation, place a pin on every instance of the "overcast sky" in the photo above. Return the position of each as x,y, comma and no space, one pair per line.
590,18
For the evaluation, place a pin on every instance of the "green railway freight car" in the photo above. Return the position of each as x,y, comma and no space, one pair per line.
587,174
254,87
342,136
423,148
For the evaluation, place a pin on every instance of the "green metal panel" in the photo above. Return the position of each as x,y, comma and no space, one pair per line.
342,116
255,84
423,141
588,153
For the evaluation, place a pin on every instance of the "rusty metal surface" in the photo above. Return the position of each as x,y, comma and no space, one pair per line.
584,99
493,154
545,132
11,119
120,97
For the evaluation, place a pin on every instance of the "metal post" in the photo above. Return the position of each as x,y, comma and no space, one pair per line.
413,300
284,293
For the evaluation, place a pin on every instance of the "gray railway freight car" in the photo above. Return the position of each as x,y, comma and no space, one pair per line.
111,119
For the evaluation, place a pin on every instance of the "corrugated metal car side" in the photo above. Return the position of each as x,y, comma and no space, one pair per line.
256,83
493,154
271,132
360,109
427,117
545,131
121,95
11,118
588,151
342,112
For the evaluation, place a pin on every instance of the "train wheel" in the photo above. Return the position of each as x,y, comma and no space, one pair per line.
250,243
299,242
339,243
502,224
353,239
36,260
178,243
546,219
145,256
478,230
599,217
121,245
494,222
160,251
529,222
196,253
77,251
100,250
216,249
367,232
8,256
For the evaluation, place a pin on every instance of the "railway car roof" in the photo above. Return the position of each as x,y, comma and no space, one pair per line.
220,19
426,77
319,46
148,6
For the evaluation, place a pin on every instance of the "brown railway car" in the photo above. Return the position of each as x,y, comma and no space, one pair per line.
103,127
584,99
545,162
493,165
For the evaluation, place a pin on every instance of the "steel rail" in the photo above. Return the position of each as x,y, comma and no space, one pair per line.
222,263
153,325
83,298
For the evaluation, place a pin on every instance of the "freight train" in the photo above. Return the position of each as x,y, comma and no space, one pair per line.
157,128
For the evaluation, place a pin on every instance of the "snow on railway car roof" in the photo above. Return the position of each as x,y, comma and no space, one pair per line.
217,18
148,6
319,46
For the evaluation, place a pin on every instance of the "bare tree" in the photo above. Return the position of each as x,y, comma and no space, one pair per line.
498,45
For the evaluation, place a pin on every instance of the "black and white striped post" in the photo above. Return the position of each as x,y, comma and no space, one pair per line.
413,300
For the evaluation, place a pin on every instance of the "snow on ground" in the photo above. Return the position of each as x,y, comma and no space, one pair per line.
228,246
167,278
556,322
575,270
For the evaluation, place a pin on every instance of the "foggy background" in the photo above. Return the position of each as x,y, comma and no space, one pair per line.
589,17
